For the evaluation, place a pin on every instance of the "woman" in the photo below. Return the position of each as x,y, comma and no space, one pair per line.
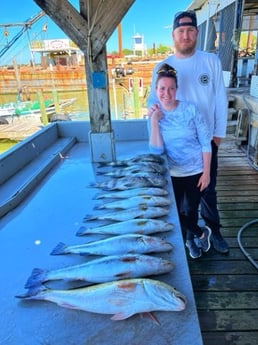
180,131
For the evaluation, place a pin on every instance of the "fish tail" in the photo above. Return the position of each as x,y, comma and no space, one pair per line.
32,292
99,207
103,164
98,196
81,231
89,217
59,249
101,172
93,185
37,276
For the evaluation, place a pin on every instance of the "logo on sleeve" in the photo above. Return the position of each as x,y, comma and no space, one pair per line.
204,79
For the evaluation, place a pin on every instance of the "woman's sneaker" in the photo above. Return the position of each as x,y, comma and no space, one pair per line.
194,251
204,243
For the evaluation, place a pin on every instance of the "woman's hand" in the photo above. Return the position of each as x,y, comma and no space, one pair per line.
155,113
204,181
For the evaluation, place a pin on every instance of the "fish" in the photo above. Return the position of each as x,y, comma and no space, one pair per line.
130,182
148,157
121,299
142,201
131,213
115,245
136,170
124,194
104,269
136,226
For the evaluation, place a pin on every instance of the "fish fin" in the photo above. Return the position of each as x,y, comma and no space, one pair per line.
68,305
37,277
32,292
123,275
81,231
59,249
152,317
120,316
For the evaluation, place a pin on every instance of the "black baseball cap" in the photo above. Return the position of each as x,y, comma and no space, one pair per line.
185,14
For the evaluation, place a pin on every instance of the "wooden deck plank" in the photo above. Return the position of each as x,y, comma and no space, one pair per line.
230,338
226,286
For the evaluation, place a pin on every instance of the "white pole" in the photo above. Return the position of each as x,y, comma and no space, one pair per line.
115,99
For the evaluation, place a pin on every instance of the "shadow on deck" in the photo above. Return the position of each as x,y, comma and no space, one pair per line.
226,286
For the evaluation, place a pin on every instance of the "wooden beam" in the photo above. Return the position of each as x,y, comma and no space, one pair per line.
68,19
90,30
92,27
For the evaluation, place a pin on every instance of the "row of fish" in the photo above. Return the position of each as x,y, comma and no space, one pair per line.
138,197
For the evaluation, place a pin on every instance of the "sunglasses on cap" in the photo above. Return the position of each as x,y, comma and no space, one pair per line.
169,71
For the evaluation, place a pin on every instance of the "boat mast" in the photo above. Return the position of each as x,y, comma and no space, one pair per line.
25,26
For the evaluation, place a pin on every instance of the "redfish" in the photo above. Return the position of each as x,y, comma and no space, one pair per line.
131,182
141,200
123,244
145,157
131,213
134,226
124,194
104,269
122,298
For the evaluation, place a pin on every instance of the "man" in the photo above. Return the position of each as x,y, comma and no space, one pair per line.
201,82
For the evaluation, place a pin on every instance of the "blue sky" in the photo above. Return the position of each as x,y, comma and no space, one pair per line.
151,19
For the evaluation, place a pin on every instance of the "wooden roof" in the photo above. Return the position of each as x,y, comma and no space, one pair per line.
90,28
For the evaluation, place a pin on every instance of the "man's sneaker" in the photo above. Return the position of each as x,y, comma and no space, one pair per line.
219,244
194,251
204,243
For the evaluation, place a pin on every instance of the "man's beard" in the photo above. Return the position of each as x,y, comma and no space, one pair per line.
187,50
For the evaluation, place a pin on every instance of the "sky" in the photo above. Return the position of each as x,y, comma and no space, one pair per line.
151,19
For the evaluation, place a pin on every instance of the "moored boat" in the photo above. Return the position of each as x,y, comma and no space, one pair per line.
21,108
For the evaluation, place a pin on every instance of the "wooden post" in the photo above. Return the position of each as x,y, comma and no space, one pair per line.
56,101
136,98
44,117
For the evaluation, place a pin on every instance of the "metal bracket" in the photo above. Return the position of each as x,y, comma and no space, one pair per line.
102,146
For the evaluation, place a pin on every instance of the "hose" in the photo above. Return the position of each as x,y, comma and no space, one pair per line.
240,244
250,162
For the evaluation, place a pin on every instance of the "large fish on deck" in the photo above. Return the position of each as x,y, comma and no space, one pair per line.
131,213
124,194
129,182
133,226
104,269
137,201
121,299
146,157
136,170
115,245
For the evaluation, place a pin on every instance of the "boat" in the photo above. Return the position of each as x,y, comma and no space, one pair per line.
21,108
43,184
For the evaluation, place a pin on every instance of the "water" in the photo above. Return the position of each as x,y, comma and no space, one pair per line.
6,144
124,104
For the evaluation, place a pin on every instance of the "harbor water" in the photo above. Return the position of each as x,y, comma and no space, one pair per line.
125,103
